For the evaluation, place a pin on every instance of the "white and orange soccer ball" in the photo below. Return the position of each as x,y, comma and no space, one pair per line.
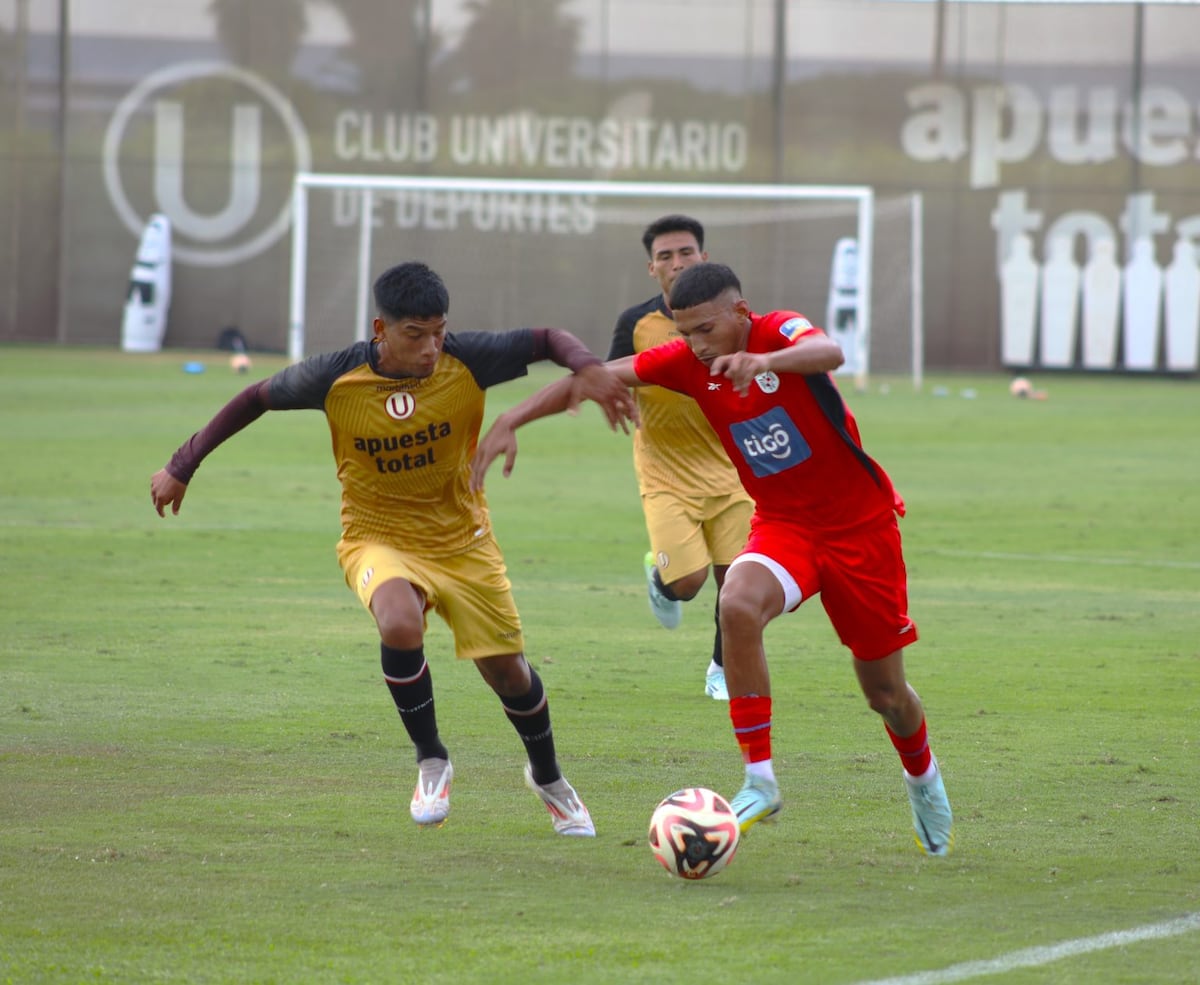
1021,387
694,833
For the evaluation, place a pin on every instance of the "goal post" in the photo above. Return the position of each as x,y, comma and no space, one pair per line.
567,248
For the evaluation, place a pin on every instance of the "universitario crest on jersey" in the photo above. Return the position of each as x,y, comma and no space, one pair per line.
400,406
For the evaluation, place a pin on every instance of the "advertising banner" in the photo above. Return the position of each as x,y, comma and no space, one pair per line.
1052,148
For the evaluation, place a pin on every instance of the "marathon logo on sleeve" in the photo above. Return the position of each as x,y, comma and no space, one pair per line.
794,327
770,443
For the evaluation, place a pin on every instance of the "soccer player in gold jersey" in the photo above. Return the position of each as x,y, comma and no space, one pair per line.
697,513
404,411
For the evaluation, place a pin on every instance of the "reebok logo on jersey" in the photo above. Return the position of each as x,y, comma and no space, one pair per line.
714,386
791,328
770,443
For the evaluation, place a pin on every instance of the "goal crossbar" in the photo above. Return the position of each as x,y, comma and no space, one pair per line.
366,185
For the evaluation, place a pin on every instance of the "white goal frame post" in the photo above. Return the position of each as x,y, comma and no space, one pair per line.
366,185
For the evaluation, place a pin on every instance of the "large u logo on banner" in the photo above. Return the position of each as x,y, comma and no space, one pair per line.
245,153
246,224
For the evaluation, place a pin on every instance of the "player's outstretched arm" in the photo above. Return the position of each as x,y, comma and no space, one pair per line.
592,380
501,437
814,353
601,384
554,398
169,484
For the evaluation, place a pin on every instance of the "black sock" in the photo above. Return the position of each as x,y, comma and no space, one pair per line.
665,589
407,676
718,653
530,715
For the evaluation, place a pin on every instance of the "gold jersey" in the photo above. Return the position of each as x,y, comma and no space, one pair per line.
403,447
675,449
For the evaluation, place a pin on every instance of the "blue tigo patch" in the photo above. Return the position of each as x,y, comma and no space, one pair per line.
771,443
793,327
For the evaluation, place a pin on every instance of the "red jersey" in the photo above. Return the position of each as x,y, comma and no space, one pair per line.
792,439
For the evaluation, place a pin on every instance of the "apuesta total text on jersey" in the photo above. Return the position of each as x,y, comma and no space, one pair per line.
424,439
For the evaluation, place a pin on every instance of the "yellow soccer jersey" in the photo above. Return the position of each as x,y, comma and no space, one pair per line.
675,450
403,447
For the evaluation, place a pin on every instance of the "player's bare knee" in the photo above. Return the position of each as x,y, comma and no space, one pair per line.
508,675
688,587
884,699
740,613
399,633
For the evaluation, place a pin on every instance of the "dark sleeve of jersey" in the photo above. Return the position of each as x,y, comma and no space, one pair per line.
496,357
305,385
302,386
563,348
622,337
246,408
493,357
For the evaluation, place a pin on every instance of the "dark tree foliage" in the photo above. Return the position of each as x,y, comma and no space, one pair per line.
264,35
513,50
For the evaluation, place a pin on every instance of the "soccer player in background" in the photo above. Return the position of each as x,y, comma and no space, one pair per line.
697,513
824,521
404,410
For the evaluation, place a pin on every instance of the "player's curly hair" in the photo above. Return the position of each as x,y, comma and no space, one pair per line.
701,283
674,223
410,290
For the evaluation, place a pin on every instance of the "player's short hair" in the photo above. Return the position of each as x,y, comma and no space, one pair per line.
674,223
701,283
410,290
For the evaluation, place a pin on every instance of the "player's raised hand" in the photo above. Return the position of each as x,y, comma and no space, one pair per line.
166,489
501,439
598,383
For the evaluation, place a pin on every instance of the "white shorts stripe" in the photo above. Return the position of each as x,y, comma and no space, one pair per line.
792,595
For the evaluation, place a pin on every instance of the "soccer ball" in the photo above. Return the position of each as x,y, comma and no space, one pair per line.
1020,387
694,833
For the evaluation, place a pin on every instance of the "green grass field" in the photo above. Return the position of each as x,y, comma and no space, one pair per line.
204,781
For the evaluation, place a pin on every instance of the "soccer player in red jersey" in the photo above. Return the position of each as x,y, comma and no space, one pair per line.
404,412
824,520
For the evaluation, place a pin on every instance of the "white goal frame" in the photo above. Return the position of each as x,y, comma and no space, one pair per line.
366,185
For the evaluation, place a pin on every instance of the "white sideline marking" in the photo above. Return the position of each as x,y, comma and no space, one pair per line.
1119,562
1034,957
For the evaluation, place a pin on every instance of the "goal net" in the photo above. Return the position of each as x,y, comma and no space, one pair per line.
568,254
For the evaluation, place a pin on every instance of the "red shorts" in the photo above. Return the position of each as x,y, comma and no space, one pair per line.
859,574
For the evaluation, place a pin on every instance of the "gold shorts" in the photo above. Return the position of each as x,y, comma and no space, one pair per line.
687,535
470,591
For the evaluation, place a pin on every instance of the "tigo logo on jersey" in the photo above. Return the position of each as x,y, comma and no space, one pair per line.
771,443
791,328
